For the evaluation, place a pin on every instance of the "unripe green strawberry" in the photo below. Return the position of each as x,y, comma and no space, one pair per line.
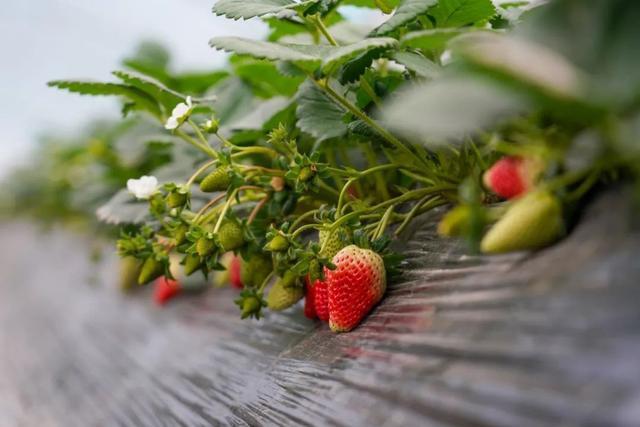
177,198
306,174
129,272
455,221
330,242
230,235
355,286
254,271
278,244
151,269
218,180
250,307
284,293
191,263
532,222
205,246
180,234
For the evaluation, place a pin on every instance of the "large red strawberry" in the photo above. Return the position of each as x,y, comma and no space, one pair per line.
234,272
321,299
165,289
309,299
354,287
512,176
316,304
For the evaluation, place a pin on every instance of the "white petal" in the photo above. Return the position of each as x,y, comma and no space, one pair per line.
143,187
172,123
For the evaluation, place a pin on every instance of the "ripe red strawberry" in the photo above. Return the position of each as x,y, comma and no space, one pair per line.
321,299
234,272
512,176
309,300
354,287
165,289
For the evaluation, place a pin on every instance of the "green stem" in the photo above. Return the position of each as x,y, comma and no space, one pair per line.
324,85
363,82
369,90
412,213
417,177
201,137
225,208
205,149
199,171
585,186
265,282
384,222
331,158
323,29
414,194
304,228
360,175
253,150
302,217
381,185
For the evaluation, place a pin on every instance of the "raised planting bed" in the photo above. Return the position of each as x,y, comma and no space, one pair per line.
547,338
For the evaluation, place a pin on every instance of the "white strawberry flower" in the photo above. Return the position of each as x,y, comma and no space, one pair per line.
143,187
179,114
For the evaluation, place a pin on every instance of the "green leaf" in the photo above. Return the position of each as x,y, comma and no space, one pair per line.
265,78
600,37
428,40
308,57
388,4
342,54
122,208
406,12
234,99
280,28
139,98
420,65
167,97
353,69
457,13
260,114
522,61
267,50
343,32
150,59
246,9
449,108
318,115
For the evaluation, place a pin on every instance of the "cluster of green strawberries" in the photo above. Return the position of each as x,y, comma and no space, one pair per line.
285,224
273,227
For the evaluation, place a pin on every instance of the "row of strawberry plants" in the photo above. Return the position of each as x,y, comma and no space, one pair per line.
326,140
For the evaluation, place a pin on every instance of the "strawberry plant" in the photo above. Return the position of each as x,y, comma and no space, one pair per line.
316,146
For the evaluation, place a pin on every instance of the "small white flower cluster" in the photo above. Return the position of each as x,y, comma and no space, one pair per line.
179,114
143,187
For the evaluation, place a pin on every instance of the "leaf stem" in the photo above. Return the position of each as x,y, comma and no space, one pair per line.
199,171
344,102
317,19
304,228
360,175
225,208
201,137
257,208
205,149
302,218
